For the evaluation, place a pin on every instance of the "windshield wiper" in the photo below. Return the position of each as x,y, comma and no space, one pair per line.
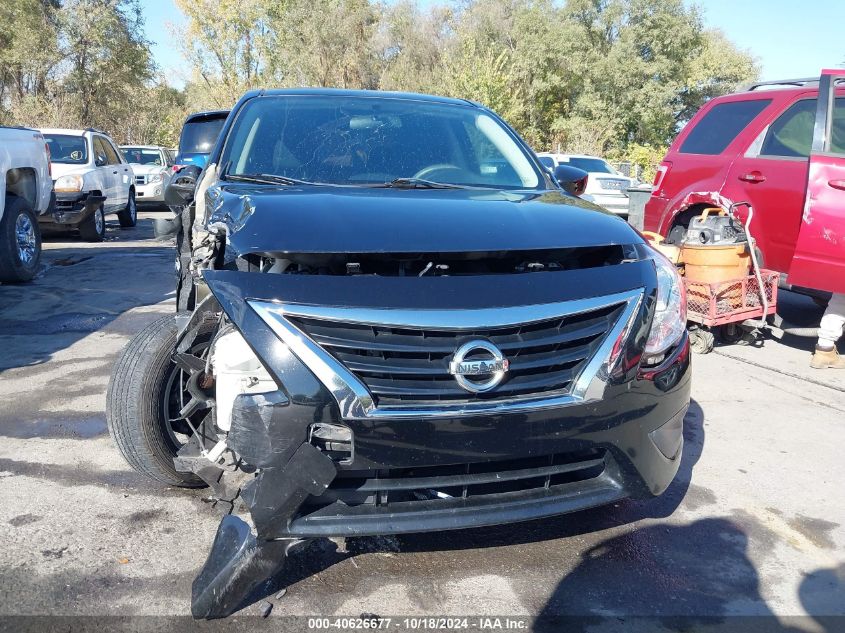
417,183
270,179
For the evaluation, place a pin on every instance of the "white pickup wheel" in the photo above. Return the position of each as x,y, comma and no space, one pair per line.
20,241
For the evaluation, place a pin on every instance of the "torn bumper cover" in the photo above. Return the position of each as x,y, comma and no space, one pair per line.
241,562
404,467
71,209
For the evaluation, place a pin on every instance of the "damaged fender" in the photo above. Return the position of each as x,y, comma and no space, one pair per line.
275,470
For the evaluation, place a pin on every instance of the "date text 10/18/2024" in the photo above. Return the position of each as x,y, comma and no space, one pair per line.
370,622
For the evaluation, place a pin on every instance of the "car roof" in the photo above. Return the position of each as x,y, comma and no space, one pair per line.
142,146
343,92
74,132
206,114
60,130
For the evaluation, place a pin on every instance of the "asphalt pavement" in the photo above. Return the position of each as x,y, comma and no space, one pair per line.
753,525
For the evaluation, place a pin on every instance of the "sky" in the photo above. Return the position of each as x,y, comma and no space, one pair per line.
790,38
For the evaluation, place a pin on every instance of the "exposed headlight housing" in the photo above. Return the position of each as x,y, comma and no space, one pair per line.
68,183
237,370
670,311
156,177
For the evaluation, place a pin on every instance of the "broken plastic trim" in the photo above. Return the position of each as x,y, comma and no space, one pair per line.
241,562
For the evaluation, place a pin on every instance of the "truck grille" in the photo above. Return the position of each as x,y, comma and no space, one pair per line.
141,180
405,366
613,184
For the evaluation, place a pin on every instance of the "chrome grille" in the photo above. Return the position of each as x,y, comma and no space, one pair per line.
410,365
613,184
141,180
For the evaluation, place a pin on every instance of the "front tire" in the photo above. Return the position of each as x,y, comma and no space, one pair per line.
138,408
20,241
128,216
93,228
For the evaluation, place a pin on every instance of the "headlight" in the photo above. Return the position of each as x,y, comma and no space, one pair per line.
68,183
156,177
670,313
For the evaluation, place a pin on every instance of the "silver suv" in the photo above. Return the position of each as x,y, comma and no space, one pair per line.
92,179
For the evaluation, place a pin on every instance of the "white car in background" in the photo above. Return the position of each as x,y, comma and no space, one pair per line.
605,186
153,168
92,179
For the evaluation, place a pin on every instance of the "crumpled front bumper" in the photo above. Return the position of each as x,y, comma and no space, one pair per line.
412,474
71,209
552,459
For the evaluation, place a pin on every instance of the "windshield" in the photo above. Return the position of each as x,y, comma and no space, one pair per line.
67,149
198,137
142,156
595,165
350,140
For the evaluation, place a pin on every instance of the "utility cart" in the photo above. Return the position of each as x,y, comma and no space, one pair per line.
728,309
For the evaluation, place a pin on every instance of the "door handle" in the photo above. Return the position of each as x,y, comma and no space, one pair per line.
837,184
753,177
114,172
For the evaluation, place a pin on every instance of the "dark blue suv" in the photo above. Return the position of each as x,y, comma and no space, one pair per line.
199,133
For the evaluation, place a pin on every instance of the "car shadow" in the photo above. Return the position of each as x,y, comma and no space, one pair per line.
658,577
822,594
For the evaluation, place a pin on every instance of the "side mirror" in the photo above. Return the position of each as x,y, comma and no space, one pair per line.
100,160
180,191
571,179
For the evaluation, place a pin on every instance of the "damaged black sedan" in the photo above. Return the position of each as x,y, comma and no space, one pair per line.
392,319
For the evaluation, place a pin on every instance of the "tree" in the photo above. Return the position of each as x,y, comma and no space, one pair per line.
29,50
324,43
107,57
225,41
596,76
74,64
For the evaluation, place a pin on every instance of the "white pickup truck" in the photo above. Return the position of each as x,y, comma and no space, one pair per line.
26,192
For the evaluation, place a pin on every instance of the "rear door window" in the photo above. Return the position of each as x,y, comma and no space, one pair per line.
101,158
791,134
111,153
199,136
837,127
721,125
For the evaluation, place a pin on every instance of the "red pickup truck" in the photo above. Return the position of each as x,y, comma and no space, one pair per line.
780,146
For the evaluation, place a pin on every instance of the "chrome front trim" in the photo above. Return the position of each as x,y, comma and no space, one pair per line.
356,402
353,398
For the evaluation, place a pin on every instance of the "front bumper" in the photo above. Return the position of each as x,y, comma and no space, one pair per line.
411,474
70,209
149,193
616,203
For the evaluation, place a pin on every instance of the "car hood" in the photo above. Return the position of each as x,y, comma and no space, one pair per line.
145,170
326,219
65,169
